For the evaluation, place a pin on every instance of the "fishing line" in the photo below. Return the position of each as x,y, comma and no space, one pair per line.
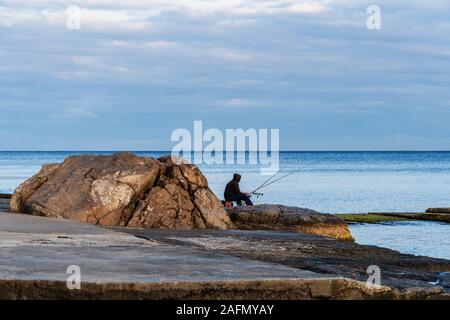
265,184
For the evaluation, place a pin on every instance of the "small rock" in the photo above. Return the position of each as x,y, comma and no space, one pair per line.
279,217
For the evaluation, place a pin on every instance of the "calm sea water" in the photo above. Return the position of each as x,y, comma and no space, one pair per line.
333,182
423,238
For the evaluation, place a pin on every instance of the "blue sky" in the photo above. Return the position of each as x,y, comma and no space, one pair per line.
137,70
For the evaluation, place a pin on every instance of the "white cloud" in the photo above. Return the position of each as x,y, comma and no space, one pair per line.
72,75
9,17
235,22
227,54
73,113
91,19
122,69
137,15
115,20
156,44
159,44
306,8
85,60
239,103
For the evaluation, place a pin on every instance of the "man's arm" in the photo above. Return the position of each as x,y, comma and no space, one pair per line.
238,190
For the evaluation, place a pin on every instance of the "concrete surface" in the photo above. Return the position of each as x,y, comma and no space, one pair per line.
35,253
41,249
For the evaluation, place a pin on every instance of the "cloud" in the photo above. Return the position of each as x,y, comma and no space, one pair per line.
10,17
90,19
293,61
240,103
131,16
72,75
75,113
159,44
116,20
85,60
236,22
306,8
228,54
156,44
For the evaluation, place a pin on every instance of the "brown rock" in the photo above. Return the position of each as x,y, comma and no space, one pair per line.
171,160
211,209
279,217
123,189
26,189
168,207
175,173
193,175
94,189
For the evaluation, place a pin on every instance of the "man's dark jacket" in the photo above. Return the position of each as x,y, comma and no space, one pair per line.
232,188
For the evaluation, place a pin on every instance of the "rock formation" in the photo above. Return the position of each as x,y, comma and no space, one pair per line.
140,192
273,217
438,210
123,190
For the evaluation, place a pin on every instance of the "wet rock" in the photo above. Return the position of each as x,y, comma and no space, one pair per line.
279,217
438,210
443,279
123,190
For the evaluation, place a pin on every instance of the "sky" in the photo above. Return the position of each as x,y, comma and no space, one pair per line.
137,70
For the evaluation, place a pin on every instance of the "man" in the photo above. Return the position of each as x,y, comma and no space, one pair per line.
233,193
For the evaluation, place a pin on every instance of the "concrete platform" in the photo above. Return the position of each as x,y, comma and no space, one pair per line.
41,249
36,251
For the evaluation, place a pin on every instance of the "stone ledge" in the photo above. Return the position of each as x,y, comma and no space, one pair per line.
275,289
438,210
206,264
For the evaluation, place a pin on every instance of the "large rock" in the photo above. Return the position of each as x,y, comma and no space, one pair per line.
123,190
438,210
279,217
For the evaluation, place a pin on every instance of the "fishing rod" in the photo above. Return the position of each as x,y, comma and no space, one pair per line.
265,184
261,185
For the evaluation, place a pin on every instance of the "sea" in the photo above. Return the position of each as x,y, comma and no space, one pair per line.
329,182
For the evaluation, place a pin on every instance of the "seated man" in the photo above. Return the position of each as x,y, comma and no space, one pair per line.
233,193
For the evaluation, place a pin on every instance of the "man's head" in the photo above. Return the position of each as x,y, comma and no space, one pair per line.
237,177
